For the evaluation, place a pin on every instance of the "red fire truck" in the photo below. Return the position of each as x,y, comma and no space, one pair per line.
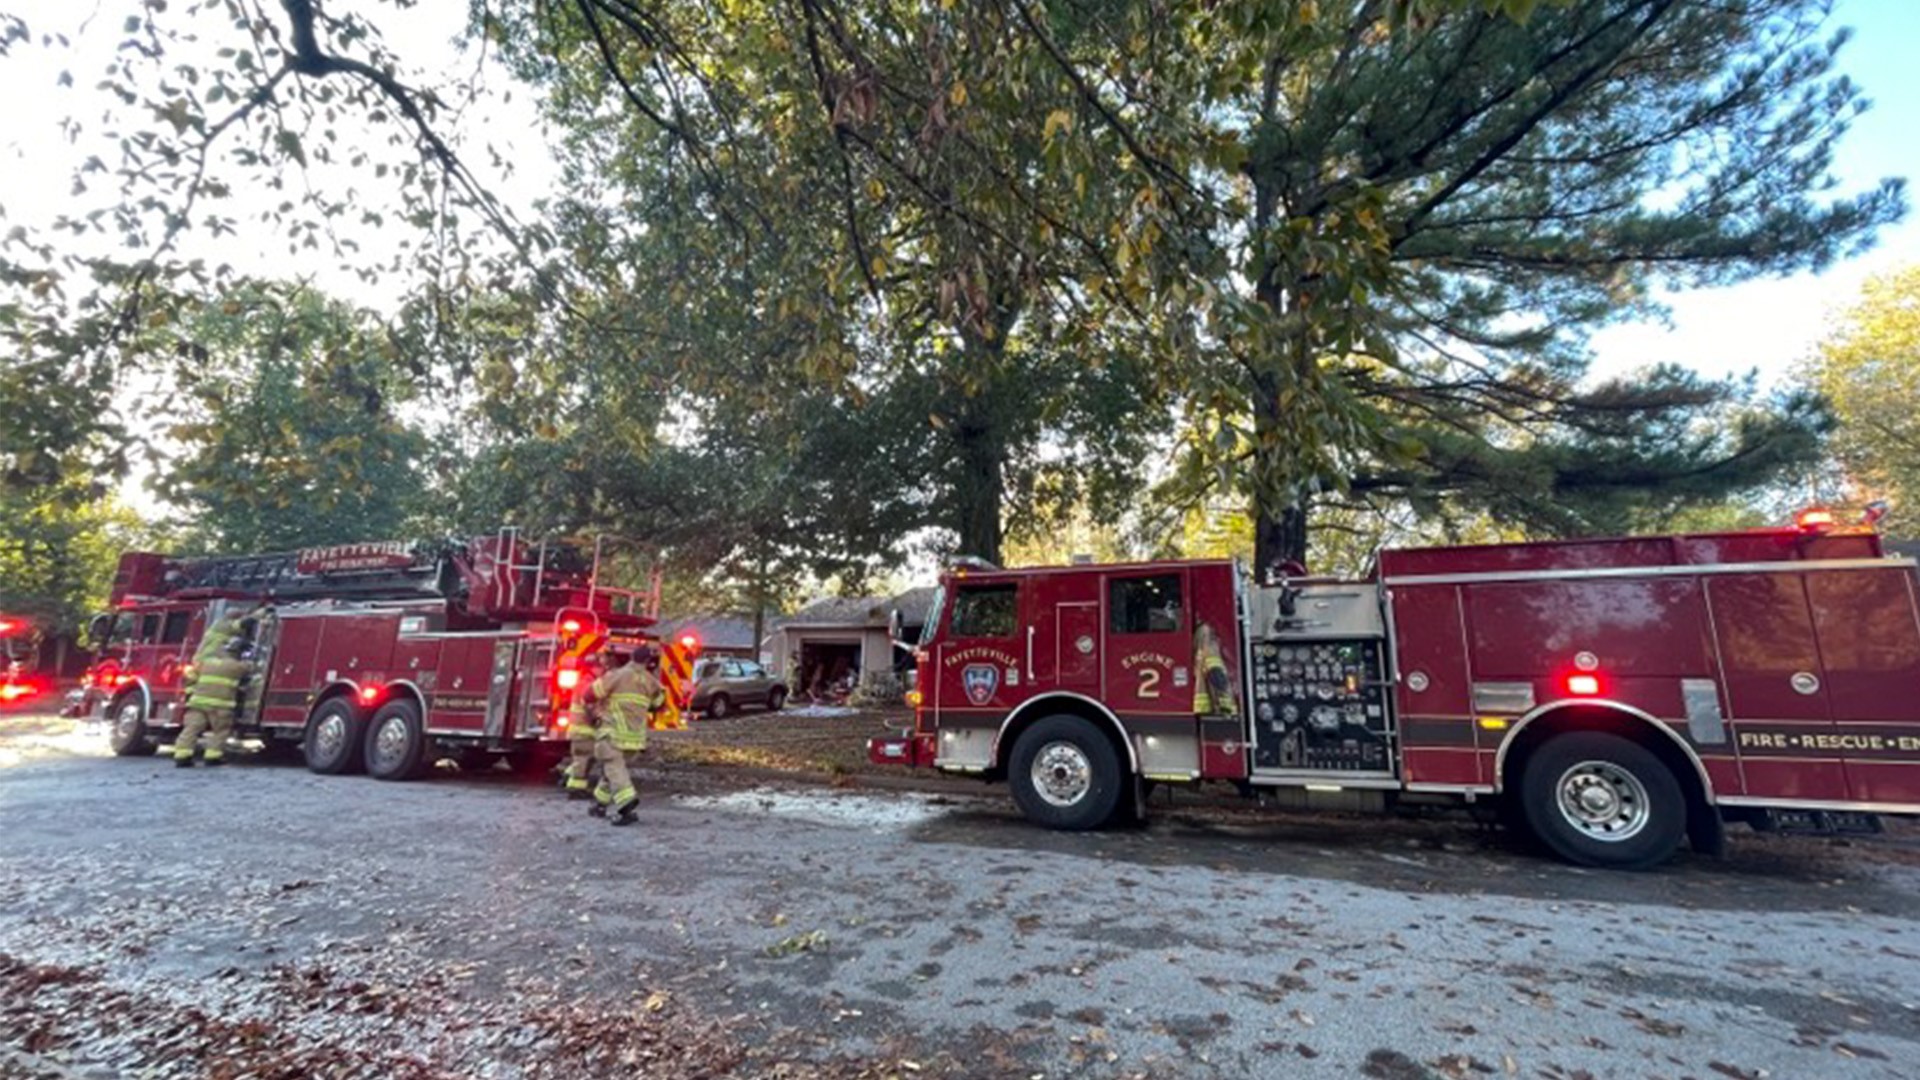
1615,696
375,656
19,684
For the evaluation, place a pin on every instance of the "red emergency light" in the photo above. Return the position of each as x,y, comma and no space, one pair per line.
10,626
369,694
14,691
690,642
567,678
1583,685
1818,519
571,626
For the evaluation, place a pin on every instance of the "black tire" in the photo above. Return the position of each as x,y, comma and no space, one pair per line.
396,742
776,697
718,707
1087,782
127,727
334,737
1637,814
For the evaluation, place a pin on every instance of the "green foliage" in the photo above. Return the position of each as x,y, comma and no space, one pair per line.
58,549
1869,369
288,412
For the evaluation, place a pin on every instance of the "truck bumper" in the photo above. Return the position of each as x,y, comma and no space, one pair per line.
906,748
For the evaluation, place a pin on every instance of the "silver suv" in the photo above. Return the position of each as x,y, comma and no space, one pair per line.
722,684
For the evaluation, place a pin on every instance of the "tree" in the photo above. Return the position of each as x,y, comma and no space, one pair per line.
289,423
1869,369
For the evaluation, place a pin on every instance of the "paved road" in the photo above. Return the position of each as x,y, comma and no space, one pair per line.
475,926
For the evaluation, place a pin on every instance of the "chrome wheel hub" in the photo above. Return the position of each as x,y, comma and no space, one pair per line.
1603,801
390,743
127,723
329,736
1062,774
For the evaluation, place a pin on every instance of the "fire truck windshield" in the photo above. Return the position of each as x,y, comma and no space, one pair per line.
934,612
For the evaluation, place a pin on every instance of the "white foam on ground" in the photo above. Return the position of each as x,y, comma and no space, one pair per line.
818,710
881,813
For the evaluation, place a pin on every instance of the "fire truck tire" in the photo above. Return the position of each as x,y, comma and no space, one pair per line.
1601,800
332,744
1066,775
128,737
396,742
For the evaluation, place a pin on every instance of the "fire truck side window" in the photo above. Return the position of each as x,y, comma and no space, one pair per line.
984,611
149,629
175,631
1145,605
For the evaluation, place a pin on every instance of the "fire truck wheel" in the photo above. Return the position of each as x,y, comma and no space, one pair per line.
1066,775
129,737
396,742
334,734
1601,800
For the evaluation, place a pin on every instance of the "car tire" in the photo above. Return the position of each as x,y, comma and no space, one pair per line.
333,741
718,708
1066,775
396,742
1600,800
127,733
776,698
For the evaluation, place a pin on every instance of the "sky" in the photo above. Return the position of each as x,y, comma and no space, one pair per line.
1762,326
1766,325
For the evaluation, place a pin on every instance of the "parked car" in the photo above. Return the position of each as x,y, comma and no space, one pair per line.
722,684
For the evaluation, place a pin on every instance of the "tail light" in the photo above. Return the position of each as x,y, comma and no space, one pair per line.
567,678
1583,685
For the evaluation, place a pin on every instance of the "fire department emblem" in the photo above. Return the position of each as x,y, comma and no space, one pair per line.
980,680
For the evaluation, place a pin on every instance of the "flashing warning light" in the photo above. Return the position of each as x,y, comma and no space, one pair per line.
571,626
1583,685
369,694
567,678
690,642
1816,520
8,626
14,691
914,698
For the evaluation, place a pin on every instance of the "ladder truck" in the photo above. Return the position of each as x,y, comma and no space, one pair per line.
1617,697
371,657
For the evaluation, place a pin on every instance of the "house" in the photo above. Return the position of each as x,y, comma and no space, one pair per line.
840,638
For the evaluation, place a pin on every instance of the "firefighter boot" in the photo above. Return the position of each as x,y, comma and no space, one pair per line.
183,761
628,813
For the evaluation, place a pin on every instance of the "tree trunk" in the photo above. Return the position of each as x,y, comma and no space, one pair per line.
980,488
759,606
1278,537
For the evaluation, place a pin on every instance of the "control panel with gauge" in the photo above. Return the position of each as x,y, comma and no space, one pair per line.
1319,681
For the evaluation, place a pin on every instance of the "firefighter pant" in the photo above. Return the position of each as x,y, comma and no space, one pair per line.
216,722
615,790
580,764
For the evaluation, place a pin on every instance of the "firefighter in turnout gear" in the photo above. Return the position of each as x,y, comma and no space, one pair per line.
622,699
1213,691
581,735
213,691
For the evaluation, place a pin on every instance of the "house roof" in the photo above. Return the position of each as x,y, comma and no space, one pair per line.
865,611
731,633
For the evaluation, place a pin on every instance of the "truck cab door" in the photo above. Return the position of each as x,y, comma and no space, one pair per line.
980,665
1150,651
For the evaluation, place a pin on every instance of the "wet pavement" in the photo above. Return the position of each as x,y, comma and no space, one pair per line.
910,933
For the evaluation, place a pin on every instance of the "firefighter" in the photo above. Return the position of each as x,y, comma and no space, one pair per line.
1213,695
212,698
581,736
623,698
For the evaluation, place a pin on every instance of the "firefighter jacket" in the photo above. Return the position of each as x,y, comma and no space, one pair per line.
1214,694
623,697
214,642
216,683
580,714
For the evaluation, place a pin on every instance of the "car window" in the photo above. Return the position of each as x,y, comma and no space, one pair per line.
752,670
984,610
710,670
1145,605
733,670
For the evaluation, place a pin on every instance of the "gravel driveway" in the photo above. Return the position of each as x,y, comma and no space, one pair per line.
270,922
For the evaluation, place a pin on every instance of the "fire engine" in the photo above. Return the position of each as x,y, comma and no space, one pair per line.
1616,697
371,657
18,683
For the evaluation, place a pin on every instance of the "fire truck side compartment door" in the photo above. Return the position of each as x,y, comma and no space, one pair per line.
1870,646
506,654
1777,699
